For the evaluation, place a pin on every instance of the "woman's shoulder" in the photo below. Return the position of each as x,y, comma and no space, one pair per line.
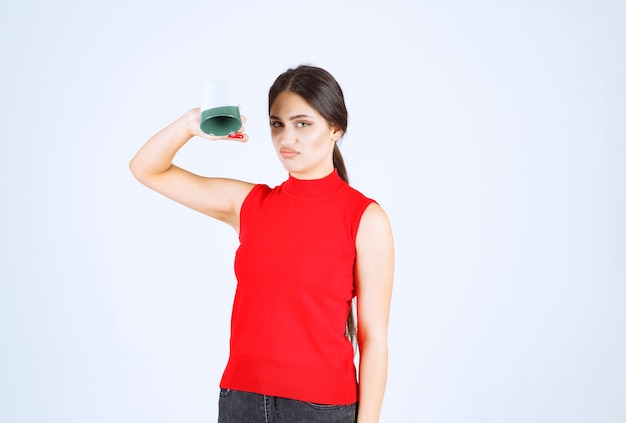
374,226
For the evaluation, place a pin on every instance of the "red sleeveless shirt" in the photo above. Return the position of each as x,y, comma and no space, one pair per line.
295,283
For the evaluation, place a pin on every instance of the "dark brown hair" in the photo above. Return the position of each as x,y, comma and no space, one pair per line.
322,92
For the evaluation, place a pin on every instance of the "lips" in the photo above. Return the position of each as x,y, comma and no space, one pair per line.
288,153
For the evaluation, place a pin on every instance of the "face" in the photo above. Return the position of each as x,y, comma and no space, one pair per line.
303,140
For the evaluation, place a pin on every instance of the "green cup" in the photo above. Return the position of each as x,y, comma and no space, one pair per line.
220,111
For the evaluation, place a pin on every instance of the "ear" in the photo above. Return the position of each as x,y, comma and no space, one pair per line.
335,133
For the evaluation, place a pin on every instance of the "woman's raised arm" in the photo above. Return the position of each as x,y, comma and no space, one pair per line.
219,198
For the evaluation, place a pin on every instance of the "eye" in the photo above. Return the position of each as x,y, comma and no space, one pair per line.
302,124
276,124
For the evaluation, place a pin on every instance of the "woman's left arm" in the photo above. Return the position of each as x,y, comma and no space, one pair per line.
374,280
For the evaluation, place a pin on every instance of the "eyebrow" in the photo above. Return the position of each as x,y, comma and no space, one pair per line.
293,117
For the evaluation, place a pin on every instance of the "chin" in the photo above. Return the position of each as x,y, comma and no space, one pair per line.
289,167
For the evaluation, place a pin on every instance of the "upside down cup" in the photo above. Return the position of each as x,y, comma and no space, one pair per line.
219,111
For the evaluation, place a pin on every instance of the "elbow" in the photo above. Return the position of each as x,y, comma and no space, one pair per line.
132,166
136,169
142,171
372,340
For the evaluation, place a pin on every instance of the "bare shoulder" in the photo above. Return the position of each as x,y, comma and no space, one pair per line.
374,239
374,222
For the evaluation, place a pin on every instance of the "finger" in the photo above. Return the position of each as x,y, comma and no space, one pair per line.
238,136
238,131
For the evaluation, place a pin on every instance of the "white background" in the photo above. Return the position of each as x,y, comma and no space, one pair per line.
492,132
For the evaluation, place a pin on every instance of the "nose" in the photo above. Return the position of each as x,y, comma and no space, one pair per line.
287,136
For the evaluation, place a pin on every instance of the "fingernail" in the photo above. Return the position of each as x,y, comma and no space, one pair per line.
235,135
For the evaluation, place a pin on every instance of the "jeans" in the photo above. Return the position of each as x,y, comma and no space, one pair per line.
246,407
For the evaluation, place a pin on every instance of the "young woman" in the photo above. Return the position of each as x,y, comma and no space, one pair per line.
307,248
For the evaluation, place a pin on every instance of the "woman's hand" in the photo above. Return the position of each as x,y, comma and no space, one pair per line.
192,119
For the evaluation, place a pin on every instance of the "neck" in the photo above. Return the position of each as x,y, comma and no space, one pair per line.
314,187
317,174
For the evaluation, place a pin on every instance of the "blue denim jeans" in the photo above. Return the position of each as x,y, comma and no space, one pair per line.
246,407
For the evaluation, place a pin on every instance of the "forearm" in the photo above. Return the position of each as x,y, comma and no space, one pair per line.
372,380
156,156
